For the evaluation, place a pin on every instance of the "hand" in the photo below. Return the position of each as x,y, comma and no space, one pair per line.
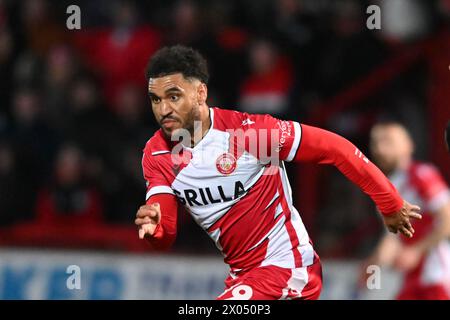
147,218
408,258
399,221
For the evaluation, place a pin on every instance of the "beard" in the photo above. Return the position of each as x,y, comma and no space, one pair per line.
193,116
188,127
386,166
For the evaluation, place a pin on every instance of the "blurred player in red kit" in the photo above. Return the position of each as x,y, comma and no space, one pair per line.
228,173
424,259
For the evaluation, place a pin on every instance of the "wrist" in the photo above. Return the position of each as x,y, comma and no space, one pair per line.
157,234
394,208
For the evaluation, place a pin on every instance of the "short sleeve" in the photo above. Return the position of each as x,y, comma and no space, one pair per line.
156,182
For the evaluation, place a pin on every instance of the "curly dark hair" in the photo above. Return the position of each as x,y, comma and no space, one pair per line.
178,59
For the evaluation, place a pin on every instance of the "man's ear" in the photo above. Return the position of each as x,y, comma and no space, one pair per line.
202,93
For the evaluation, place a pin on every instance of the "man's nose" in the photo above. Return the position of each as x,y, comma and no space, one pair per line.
166,109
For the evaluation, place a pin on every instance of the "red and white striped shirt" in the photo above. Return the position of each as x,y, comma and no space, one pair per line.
240,198
422,184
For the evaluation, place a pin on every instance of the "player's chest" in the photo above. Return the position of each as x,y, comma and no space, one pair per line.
408,190
213,177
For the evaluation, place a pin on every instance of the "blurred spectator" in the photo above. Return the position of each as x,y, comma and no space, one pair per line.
444,8
12,207
267,88
69,199
424,260
186,25
126,189
6,64
41,31
6,43
293,24
33,143
2,13
89,125
339,64
224,43
256,14
119,54
60,69
300,33
87,122
229,36
131,129
404,20
133,119
27,70
316,50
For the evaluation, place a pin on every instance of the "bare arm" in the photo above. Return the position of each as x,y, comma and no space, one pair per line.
386,251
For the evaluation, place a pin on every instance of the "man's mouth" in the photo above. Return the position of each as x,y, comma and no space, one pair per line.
168,122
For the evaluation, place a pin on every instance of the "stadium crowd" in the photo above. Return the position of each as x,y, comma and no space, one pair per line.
74,113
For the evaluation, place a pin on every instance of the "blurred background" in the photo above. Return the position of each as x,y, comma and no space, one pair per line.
74,118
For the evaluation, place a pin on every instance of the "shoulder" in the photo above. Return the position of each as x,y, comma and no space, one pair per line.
422,171
430,184
225,119
156,144
426,178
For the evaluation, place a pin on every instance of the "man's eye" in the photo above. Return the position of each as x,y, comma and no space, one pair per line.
174,98
156,100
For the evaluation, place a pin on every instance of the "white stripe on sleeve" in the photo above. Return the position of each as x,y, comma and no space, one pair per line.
158,189
295,144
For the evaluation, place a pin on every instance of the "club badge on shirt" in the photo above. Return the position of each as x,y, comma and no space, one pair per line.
226,163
